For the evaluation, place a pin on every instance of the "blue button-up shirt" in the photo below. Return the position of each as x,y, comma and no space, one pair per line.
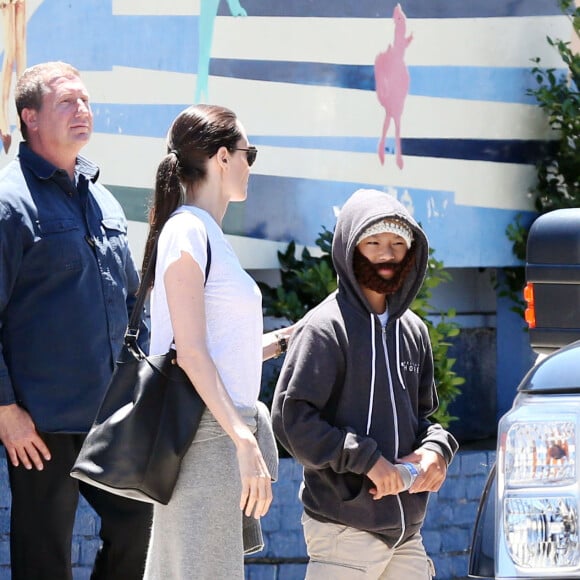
67,285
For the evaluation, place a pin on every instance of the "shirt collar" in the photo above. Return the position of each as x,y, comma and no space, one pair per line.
43,169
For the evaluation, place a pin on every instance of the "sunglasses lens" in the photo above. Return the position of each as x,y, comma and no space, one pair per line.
251,154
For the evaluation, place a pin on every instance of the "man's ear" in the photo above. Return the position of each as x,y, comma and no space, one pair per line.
30,118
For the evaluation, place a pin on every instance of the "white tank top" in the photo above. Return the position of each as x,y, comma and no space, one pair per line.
233,302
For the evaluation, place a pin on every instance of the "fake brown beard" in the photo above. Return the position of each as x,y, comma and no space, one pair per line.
367,275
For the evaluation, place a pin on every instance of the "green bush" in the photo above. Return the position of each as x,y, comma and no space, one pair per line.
446,378
304,282
307,280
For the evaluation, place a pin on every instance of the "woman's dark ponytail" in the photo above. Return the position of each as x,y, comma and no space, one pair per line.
167,197
195,135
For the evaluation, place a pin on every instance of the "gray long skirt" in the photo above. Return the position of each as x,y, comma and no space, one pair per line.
198,535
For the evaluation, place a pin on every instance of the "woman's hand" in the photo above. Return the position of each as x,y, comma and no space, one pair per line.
256,480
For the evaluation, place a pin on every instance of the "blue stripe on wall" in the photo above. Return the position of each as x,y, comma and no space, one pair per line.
87,35
490,150
135,120
384,8
154,120
498,84
307,205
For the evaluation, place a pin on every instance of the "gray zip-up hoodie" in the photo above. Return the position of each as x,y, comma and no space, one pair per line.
350,391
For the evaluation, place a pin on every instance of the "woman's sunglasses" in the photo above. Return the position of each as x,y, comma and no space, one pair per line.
251,153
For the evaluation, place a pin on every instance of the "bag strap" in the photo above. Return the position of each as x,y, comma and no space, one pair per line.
132,332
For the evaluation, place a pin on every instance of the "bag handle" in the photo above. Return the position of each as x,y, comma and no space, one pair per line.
132,332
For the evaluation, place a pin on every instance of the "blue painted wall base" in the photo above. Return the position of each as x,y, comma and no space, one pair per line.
447,531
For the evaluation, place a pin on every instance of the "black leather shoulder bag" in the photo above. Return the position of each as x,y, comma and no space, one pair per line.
146,421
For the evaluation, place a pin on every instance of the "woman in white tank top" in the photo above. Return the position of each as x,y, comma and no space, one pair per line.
204,301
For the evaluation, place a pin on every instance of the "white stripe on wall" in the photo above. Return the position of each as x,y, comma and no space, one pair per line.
501,42
285,109
156,7
474,183
299,110
253,254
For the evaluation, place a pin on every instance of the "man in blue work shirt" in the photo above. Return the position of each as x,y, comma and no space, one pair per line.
67,284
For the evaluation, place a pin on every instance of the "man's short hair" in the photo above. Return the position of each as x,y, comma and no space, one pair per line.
33,85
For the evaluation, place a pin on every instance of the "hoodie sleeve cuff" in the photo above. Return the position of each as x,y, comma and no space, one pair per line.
432,446
371,462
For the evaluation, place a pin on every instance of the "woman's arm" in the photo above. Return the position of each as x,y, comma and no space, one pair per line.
184,286
276,343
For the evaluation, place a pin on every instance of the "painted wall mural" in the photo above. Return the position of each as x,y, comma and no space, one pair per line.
426,100
392,83
13,14
207,16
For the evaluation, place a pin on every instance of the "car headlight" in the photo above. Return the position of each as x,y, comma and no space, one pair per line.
538,506
542,532
540,452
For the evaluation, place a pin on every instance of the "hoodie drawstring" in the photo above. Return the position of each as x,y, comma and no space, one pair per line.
373,374
398,343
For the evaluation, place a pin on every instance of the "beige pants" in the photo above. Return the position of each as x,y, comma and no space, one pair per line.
344,553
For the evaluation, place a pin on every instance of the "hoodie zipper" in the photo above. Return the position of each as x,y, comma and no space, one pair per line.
396,427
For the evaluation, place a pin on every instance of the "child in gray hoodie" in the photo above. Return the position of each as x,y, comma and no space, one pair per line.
353,401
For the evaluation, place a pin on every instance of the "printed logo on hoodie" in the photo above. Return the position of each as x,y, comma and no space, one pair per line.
410,367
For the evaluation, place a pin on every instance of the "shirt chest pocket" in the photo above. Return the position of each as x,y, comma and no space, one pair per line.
115,231
59,246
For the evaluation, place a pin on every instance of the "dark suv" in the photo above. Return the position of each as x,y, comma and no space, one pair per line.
528,522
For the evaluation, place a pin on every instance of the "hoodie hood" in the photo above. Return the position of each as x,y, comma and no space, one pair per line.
364,208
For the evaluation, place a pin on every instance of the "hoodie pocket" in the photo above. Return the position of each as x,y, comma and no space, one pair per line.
350,486
345,499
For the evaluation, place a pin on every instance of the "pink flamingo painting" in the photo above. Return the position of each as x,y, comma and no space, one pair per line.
392,83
